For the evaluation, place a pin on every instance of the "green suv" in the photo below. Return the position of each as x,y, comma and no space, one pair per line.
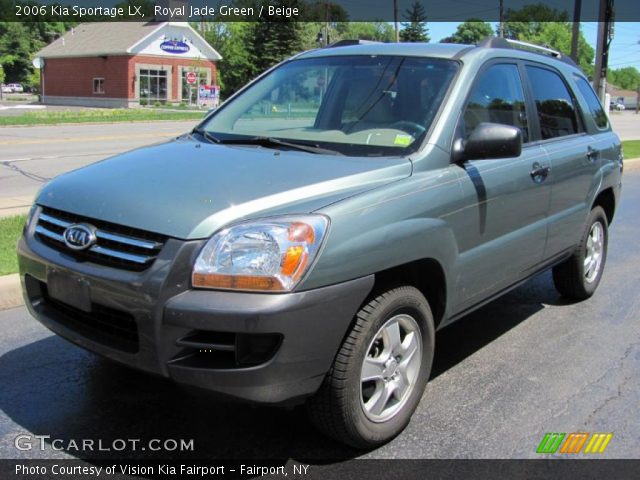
307,239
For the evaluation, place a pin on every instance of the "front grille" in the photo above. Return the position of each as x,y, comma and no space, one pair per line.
116,245
107,326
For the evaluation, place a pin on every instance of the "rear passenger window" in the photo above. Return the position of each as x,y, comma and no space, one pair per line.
497,97
595,108
556,109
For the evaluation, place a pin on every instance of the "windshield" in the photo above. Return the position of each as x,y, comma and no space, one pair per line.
353,105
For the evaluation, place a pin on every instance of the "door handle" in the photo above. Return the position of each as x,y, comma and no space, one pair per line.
592,154
539,172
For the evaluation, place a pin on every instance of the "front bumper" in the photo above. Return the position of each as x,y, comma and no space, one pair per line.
266,348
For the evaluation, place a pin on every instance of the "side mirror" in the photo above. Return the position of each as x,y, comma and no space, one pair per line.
489,141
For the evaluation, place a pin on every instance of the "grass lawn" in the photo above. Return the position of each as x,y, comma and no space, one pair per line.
10,231
106,115
631,148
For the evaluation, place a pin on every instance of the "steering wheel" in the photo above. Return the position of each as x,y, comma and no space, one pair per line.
408,126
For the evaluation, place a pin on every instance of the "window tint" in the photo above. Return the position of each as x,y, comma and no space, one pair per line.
497,97
556,109
595,108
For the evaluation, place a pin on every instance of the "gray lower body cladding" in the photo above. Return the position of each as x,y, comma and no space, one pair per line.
266,348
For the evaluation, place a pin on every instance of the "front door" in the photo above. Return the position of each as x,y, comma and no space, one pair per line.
502,228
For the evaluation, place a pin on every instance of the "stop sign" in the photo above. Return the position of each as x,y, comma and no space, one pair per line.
191,77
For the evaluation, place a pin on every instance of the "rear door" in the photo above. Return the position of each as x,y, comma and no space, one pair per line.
501,231
574,161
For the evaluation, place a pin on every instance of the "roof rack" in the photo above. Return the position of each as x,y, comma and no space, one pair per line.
350,42
498,42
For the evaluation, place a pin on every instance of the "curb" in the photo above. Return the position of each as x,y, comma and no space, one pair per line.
29,125
10,291
632,163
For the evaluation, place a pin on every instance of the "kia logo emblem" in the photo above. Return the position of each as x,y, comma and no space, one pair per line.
79,237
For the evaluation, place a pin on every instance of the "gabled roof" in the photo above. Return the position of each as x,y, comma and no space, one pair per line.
99,38
112,38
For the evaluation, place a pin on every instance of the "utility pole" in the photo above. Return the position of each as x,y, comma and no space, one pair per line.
605,20
326,23
395,19
575,31
501,25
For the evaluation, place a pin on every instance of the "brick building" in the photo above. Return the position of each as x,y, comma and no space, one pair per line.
124,64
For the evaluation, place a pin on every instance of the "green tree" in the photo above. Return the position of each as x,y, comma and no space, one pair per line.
376,31
415,29
233,41
470,32
274,42
530,20
557,35
321,11
276,39
1,74
310,32
627,78
17,45
546,26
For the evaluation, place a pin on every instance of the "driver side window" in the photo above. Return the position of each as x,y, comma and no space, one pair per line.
497,97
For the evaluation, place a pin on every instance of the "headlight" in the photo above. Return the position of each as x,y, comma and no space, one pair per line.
271,254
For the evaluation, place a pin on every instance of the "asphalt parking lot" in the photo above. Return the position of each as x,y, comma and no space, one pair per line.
526,364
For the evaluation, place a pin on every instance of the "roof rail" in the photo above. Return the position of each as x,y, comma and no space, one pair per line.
350,42
497,42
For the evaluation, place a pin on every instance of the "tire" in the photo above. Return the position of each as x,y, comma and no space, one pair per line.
572,278
345,407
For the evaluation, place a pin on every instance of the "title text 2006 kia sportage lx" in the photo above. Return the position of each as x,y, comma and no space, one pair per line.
306,240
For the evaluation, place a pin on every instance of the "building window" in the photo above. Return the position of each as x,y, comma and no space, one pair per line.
153,85
98,85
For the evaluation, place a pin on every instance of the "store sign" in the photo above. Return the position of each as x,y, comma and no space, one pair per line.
174,46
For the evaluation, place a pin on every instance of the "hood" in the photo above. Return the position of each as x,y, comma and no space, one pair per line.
187,189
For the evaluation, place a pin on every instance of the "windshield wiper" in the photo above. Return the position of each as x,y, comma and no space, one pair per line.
206,135
270,142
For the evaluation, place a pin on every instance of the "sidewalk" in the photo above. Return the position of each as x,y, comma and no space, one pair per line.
10,291
15,205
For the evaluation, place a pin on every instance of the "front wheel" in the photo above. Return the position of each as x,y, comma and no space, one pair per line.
380,372
579,276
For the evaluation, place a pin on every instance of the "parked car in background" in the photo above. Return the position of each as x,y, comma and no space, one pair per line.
308,238
6,89
619,106
16,87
